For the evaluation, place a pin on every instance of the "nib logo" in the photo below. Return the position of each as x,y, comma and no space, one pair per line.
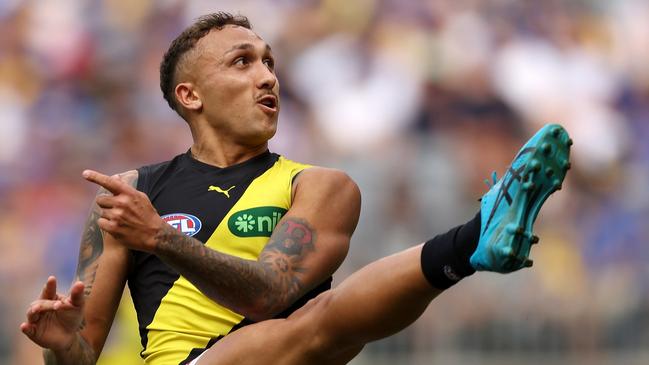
255,222
245,223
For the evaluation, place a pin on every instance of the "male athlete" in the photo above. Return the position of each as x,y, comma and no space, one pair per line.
222,246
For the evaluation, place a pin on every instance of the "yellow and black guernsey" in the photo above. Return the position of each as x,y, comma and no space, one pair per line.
232,210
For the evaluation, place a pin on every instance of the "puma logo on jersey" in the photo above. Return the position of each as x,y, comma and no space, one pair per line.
219,190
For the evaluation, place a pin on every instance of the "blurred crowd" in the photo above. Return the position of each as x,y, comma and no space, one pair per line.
418,100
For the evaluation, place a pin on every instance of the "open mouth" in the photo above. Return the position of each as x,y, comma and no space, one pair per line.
269,102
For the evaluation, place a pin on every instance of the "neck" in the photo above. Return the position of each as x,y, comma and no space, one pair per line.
223,157
217,149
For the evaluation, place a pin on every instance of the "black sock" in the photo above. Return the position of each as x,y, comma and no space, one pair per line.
445,258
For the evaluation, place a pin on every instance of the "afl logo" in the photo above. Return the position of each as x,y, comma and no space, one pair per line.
185,223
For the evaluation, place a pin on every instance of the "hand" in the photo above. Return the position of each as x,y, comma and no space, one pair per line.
53,319
128,214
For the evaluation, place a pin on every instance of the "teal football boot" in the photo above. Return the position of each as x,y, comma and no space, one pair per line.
509,209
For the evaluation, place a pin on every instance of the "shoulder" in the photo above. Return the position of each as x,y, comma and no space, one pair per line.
326,182
150,175
159,167
325,176
330,198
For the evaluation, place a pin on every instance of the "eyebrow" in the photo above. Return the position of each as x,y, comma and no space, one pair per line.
245,46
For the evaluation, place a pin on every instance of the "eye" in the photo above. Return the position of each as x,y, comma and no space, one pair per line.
270,63
240,61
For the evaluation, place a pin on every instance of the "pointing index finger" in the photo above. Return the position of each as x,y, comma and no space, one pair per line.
114,185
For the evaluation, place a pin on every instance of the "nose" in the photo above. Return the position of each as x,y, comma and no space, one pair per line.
266,79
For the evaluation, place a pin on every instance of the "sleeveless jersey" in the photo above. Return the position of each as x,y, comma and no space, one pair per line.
232,210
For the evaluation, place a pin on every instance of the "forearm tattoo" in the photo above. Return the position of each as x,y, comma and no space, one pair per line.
80,353
273,282
92,241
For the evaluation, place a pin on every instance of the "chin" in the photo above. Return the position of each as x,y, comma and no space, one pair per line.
269,130
269,134
261,137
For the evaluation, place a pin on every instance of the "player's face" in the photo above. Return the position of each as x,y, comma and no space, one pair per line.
235,77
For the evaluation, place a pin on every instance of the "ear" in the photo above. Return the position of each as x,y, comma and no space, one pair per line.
188,97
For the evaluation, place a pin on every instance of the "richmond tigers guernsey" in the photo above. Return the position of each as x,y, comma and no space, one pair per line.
232,210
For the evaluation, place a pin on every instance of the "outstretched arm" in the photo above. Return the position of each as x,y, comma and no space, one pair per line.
306,247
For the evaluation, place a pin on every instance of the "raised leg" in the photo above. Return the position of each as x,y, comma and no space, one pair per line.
387,295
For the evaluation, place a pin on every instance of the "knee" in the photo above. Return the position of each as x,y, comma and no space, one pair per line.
323,328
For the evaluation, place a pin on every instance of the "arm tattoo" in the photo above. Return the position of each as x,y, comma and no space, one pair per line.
271,283
92,246
282,259
80,353
92,241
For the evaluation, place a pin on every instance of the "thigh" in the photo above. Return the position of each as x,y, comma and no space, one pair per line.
296,340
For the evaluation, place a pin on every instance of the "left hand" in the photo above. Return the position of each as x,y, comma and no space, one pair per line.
128,214
53,320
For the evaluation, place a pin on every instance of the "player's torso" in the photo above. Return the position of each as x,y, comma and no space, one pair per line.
232,210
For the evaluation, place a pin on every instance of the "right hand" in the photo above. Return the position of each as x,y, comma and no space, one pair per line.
53,320
127,214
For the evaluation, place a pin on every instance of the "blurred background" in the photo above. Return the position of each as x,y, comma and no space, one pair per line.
418,100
